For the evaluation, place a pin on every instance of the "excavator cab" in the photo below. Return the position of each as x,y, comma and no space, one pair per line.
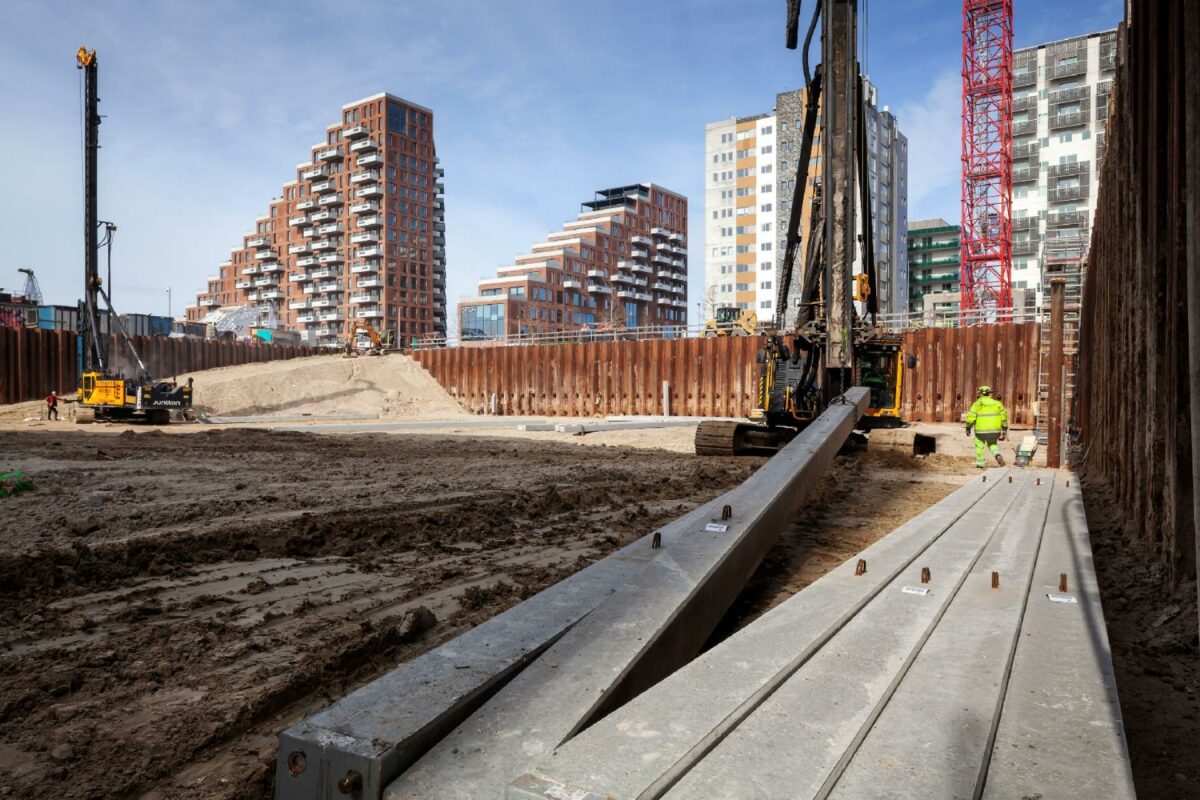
731,321
879,367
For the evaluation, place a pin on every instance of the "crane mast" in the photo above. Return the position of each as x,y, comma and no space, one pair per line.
95,350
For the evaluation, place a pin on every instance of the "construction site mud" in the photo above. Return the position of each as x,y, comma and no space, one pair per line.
169,603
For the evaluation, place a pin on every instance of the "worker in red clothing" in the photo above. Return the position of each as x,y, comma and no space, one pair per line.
52,406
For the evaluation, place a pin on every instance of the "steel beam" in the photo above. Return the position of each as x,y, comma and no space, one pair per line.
652,626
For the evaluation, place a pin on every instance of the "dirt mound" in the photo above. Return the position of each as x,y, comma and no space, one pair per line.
392,386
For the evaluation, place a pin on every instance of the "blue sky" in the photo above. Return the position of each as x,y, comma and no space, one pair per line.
211,105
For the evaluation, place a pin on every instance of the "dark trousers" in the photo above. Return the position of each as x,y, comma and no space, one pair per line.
52,412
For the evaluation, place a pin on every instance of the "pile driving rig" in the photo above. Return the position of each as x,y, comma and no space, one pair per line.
105,393
823,344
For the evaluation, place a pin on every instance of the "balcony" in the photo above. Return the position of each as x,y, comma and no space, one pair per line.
1024,127
298,221
241,284
597,273
1108,63
1029,150
661,258
274,293
677,237
1026,247
1068,194
372,160
330,258
364,267
299,305
663,232
324,272
330,227
1068,120
324,302
1027,103
364,237
1024,77
299,277
371,251
370,283
330,199
366,145
308,233
1065,70
357,132
262,255
322,245
305,205
251,270
323,216
208,302
307,261
358,298
637,252
571,284
1073,168
327,286
370,190
1067,219
1024,175
370,312
596,288
374,221
1070,95
642,268
303,247
270,266
252,296
1024,223
620,278
364,176
365,207
259,241
309,318
946,277
324,187
313,173
640,240
329,154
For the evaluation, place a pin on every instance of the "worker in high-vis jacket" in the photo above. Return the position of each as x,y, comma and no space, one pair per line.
989,422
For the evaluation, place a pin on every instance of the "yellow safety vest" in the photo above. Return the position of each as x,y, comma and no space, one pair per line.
987,415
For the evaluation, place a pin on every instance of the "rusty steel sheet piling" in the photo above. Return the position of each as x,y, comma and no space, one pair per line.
35,362
718,377
1136,390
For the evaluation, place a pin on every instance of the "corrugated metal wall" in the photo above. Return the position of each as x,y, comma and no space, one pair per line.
717,377
1140,329
35,362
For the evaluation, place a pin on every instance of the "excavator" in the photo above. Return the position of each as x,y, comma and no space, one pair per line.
377,347
105,392
826,339
731,321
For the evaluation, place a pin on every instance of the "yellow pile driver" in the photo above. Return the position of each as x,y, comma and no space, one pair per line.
104,391
826,339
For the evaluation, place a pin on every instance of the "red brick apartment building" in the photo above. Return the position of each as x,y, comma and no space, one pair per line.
360,235
622,262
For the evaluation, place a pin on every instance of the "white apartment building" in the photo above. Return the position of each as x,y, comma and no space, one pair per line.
1060,108
750,169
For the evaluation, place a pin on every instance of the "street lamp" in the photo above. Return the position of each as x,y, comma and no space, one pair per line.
169,303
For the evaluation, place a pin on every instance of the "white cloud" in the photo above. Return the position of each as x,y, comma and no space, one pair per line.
933,125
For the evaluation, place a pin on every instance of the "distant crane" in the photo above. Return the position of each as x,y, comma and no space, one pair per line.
32,291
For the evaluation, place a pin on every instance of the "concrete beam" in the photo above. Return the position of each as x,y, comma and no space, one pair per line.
651,627
644,748
1060,733
383,727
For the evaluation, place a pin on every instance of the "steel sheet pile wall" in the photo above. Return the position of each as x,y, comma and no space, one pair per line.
35,362
707,377
953,362
718,377
1137,390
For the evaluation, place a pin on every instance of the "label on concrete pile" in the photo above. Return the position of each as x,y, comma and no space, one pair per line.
1061,598
716,527
917,590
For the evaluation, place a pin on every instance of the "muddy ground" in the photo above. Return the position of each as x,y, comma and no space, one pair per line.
1156,654
169,603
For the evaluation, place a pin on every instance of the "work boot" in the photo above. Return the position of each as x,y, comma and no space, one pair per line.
999,459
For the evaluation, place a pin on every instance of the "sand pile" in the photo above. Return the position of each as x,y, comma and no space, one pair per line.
392,386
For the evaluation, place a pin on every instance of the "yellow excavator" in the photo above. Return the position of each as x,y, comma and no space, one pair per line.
106,392
378,344
731,321
826,338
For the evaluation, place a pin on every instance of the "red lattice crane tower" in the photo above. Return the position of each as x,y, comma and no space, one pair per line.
986,262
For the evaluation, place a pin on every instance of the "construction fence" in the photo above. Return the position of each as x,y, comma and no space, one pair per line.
719,376
1139,382
35,362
